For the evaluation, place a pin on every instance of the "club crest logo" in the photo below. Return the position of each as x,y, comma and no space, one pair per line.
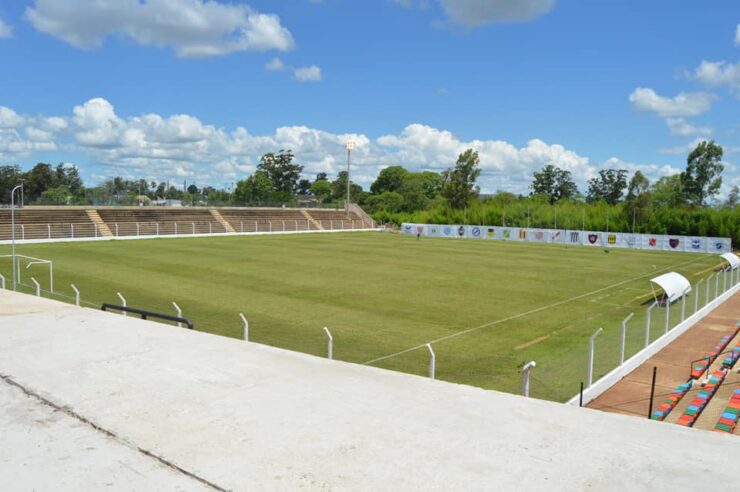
489,232
719,246
539,235
407,228
419,229
631,241
574,237
611,239
592,238
447,231
507,233
461,231
652,242
476,231
696,243
674,242
555,236
522,234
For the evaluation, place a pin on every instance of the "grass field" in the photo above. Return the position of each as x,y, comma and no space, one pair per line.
487,306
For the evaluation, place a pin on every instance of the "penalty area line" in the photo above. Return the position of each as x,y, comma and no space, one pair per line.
527,313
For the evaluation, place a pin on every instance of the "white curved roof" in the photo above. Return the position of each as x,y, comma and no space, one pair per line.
732,259
673,284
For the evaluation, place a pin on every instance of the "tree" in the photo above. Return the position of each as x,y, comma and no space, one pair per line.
388,201
668,192
321,177
389,179
321,189
281,170
702,177
304,187
608,186
459,183
638,185
732,198
193,190
339,189
10,177
553,182
256,188
37,180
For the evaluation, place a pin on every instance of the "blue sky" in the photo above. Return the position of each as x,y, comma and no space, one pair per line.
195,90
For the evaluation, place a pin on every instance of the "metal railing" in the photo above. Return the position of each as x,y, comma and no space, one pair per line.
148,314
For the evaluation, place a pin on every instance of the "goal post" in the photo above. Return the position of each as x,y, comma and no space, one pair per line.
29,262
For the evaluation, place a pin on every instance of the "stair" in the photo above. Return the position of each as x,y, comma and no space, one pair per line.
316,224
103,228
217,215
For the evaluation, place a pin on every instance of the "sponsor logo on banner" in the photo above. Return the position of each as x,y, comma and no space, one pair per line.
522,234
555,236
433,230
652,242
592,238
574,237
696,244
419,229
719,246
447,231
674,242
489,232
476,231
539,235
507,233
461,231
631,241
611,239
407,228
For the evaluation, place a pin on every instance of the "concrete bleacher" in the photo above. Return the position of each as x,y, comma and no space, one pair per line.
47,223
159,221
118,402
267,219
336,219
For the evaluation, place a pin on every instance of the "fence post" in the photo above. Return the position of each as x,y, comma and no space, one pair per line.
647,323
23,232
283,226
116,229
210,228
652,392
724,280
156,224
256,227
193,228
123,301
525,377
48,230
96,229
432,361
683,304
137,229
716,285
72,226
708,284
591,343
38,287
696,295
241,225
624,337
179,313
77,295
330,345
667,313
2,281
246,327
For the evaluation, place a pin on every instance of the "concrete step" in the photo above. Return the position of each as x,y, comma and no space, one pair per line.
103,228
220,218
316,223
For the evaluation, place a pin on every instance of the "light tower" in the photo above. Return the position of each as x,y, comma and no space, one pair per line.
349,145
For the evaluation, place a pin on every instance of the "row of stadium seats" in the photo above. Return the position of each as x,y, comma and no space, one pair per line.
699,367
670,403
700,401
728,420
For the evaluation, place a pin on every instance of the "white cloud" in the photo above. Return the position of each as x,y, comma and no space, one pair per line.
683,104
193,28
6,31
182,146
681,149
275,65
682,128
308,74
480,12
718,73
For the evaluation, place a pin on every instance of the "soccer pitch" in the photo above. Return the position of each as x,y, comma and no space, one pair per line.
487,307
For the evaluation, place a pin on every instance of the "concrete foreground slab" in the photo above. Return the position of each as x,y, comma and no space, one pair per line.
242,416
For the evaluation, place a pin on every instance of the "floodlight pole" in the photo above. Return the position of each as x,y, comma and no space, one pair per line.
647,323
696,295
330,344
432,361
179,313
591,343
349,145
525,377
123,301
246,327
12,230
624,337
77,294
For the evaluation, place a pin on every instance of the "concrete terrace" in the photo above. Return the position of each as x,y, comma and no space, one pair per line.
90,399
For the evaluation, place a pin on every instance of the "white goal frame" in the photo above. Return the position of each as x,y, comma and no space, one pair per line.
34,261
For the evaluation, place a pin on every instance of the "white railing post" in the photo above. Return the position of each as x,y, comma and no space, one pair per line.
667,313
72,227
525,377
308,225
137,229
38,287
116,229
48,230
77,295
210,228
708,286
241,224
696,295
683,304
23,232
647,323
175,228
330,344
256,227
179,313
96,229
123,301
193,228
283,226
269,224
716,285
432,361
157,225
2,281
624,337
591,343
246,327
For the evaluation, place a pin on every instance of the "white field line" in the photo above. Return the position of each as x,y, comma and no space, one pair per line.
527,313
